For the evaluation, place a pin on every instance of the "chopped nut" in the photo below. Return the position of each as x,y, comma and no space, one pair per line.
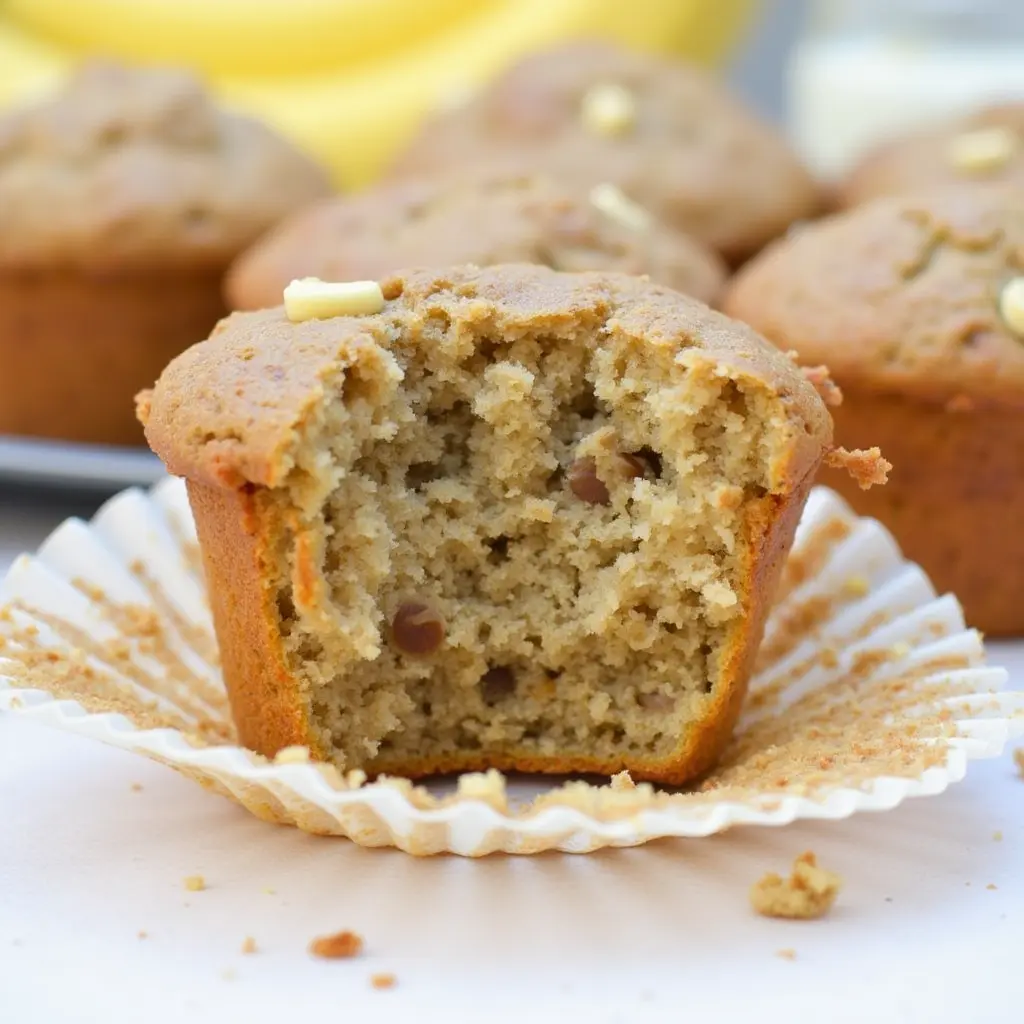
383,980
249,944
809,891
417,629
339,946
987,149
295,754
309,298
586,484
614,203
866,466
195,883
497,683
1011,305
608,109
656,702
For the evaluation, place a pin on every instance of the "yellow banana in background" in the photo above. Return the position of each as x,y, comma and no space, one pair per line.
348,80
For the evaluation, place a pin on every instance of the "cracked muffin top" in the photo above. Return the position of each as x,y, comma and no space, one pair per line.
485,220
667,133
922,295
138,166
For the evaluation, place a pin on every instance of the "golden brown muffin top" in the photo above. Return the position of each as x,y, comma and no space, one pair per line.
899,295
129,166
984,147
233,410
686,150
481,220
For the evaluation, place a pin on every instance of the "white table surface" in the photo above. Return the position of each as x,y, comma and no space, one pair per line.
660,933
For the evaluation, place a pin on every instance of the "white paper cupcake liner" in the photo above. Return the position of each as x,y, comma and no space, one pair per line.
869,690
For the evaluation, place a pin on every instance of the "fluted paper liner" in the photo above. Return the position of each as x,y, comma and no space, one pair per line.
868,690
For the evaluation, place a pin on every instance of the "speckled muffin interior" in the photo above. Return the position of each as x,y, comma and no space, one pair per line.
678,144
477,218
519,519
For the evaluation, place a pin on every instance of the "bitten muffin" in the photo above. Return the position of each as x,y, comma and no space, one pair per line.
916,306
122,202
985,147
666,133
517,518
481,220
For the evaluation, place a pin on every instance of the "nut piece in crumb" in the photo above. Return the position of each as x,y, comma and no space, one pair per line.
296,754
809,891
615,204
608,109
339,946
865,465
249,945
1011,305
586,484
416,628
195,883
309,298
983,150
383,980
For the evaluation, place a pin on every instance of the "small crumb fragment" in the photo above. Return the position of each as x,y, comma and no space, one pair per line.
866,466
228,974
136,787
295,754
786,954
383,980
991,885
268,891
143,935
309,298
809,892
616,205
339,946
1018,756
822,382
622,781
983,150
195,883
249,944
997,836
608,109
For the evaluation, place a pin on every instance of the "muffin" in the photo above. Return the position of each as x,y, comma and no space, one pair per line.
515,518
482,220
664,132
122,202
985,147
916,306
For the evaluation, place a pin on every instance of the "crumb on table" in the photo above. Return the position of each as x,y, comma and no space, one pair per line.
809,891
1018,756
383,980
195,883
249,944
786,954
136,787
143,935
339,946
997,836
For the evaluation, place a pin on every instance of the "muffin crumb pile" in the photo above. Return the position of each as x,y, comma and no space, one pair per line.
809,892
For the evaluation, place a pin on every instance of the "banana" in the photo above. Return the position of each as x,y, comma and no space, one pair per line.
347,80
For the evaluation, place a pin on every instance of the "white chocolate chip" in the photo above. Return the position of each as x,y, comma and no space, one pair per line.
309,298
292,755
1011,305
613,203
608,110
986,149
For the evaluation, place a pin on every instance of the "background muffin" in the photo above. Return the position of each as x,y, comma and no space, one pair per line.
916,306
666,133
986,147
487,220
122,201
